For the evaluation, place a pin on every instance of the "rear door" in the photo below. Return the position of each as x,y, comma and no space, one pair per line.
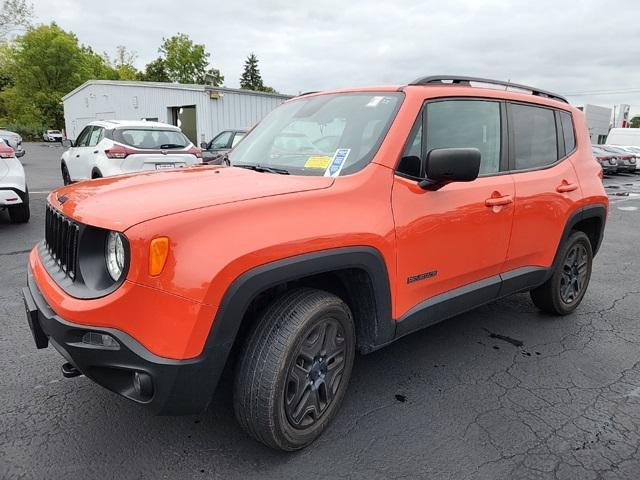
546,184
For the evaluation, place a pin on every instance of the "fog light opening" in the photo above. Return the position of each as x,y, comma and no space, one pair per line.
100,340
143,384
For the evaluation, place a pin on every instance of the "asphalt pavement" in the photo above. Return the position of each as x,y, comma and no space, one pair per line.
501,392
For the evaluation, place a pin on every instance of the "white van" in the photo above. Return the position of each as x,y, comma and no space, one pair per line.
626,137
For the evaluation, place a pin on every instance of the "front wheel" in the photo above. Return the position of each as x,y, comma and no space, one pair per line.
66,178
294,369
563,292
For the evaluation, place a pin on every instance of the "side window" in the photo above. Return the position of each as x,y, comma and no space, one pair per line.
83,138
534,131
567,130
236,139
221,141
96,136
466,124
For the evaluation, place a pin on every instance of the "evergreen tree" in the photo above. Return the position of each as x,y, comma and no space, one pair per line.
251,79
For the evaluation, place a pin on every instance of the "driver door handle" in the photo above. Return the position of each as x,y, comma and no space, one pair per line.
498,201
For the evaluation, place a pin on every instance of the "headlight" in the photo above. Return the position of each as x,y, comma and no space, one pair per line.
115,255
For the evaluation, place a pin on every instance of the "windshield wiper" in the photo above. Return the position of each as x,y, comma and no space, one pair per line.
261,168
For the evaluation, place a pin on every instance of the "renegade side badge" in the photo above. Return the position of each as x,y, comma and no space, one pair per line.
422,276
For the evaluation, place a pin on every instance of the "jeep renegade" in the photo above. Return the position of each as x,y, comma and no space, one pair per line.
346,219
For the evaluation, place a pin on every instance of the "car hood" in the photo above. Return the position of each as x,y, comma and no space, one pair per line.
120,202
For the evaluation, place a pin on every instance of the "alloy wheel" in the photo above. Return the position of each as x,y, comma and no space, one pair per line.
314,375
574,274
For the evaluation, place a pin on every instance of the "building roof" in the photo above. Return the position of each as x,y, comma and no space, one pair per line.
171,86
132,123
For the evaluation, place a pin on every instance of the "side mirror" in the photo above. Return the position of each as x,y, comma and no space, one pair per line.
446,165
67,143
204,145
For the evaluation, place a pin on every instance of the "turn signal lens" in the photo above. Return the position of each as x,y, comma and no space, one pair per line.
158,252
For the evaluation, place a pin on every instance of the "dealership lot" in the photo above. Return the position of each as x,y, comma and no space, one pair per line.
500,392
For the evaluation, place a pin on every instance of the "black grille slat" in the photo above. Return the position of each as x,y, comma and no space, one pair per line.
61,240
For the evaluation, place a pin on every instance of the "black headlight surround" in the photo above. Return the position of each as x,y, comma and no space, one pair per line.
92,279
92,264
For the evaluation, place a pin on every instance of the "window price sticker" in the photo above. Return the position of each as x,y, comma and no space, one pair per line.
337,162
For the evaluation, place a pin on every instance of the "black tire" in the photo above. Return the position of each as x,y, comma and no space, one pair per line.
280,394
21,213
563,292
96,174
66,178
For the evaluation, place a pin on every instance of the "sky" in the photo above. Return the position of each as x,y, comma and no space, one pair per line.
585,49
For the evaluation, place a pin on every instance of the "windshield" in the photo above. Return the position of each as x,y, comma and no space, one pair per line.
151,138
334,134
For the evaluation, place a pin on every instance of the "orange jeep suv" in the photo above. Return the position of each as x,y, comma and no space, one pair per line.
344,221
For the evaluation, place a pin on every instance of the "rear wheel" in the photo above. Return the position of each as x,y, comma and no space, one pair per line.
294,369
21,213
96,173
563,292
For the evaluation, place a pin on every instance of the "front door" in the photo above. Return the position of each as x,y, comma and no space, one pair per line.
458,235
75,161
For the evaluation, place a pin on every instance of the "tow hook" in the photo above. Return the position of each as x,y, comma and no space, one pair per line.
69,371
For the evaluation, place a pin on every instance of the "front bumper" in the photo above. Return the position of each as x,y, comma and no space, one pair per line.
177,386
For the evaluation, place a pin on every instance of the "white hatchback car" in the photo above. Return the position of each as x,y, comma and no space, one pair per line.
14,195
111,147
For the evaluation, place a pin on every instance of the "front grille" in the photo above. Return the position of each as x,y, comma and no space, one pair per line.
61,240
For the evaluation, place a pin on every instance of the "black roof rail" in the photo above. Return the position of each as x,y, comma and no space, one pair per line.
308,93
457,80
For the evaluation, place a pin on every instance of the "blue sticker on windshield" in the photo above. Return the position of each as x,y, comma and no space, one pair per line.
337,162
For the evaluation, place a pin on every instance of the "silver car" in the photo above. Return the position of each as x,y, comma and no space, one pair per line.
13,140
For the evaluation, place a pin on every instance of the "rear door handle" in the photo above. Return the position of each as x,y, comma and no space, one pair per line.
78,156
498,201
95,151
565,187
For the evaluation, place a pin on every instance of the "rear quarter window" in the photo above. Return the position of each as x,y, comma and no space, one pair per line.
568,132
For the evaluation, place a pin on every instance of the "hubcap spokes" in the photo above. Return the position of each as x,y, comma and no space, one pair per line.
574,274
314,377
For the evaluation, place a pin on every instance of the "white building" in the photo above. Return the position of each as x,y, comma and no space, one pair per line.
201,111
598,122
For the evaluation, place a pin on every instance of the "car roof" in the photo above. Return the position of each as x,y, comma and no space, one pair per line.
459,85
110,124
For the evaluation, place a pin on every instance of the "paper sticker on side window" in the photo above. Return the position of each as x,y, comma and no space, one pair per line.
337,162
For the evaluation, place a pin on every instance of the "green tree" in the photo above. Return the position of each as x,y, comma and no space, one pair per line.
155,72
186,62
124,64
45,64
251,78
635,122
15,16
